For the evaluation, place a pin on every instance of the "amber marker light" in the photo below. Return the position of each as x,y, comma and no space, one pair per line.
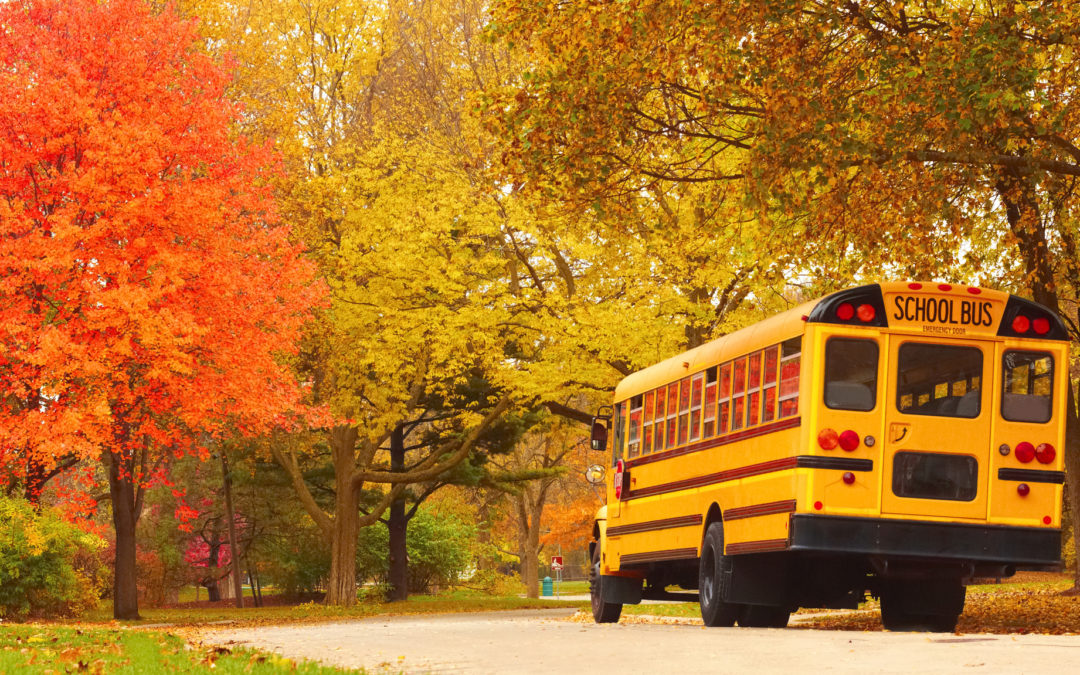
828,439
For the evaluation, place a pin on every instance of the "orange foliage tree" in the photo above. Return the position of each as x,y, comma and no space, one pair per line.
147,289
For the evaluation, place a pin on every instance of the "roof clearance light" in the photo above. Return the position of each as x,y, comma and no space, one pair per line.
1025,452
866,313
1041,325
1045,453
944,287
849,440
914,286
828,439
1021,324
973,290
845,311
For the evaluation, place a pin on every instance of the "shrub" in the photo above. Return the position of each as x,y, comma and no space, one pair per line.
47,565
440,548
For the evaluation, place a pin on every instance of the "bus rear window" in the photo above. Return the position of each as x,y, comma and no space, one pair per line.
851,367
939,380
1028,383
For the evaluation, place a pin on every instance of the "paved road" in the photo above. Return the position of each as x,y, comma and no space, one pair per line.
545,641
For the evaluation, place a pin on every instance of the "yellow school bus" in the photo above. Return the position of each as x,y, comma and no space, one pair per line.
896,439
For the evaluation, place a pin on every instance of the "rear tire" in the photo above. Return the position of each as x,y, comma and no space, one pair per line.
764,616
926,605
603,612
711,580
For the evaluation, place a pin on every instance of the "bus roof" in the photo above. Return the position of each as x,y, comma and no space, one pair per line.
776,328
912,307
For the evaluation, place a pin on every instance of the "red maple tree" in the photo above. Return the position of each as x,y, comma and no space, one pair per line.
147,288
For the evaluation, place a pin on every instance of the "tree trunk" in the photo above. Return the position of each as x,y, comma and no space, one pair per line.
398,525
230,515
1072,475
341,590
125,581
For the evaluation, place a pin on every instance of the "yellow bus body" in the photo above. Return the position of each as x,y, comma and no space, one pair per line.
776,488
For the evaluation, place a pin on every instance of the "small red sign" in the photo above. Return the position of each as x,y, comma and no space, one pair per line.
556,562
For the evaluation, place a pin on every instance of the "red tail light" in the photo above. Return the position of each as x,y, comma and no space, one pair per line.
618,479
1021,324
866,313
1045,453
1041,325
828,439
849,440
845,311
1025,452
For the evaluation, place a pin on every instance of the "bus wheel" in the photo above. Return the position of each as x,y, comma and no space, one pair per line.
714,611
922,605
763,616
603,612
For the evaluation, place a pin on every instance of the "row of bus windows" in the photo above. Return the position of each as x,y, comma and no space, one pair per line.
745,392
938,380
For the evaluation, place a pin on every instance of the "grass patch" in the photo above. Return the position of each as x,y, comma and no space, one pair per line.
36,648
311,612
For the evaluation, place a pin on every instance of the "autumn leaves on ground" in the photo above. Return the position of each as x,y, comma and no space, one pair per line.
318,293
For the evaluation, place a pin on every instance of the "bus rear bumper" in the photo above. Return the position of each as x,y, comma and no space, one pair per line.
996,544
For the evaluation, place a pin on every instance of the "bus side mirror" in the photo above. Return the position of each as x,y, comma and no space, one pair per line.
599,434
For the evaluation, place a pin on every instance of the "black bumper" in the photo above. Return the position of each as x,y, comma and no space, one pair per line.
1027,546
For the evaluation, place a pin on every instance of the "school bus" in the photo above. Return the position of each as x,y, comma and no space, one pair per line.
896,439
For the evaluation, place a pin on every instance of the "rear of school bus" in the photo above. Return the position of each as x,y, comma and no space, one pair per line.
947,405
926,452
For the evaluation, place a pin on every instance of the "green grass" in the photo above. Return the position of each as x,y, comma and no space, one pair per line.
34,648
460,601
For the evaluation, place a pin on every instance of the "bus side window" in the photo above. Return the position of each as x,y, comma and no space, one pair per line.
620,434
1029,381
684,410
634,446
660,419
724,396
753,390
790,364
851,367
647,433
738,395
772,363
672,413
710,403
696,386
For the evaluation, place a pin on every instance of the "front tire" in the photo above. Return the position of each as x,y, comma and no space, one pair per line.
714,611
603,612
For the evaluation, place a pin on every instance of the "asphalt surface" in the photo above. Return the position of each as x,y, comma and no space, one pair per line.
547,641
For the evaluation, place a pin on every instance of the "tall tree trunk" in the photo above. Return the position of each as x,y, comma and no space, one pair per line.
125,517
213,554
397,524
341,588
1072,475
230,515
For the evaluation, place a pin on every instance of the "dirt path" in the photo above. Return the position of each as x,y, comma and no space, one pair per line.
546,641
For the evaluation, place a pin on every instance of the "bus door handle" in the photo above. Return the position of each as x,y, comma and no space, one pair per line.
897,432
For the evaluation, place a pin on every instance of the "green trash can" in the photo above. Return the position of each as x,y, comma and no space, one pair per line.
548,588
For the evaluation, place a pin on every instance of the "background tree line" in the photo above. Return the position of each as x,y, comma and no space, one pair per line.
503,207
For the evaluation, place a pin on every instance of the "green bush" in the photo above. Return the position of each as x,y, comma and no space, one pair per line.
47,565
299,563
440,548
